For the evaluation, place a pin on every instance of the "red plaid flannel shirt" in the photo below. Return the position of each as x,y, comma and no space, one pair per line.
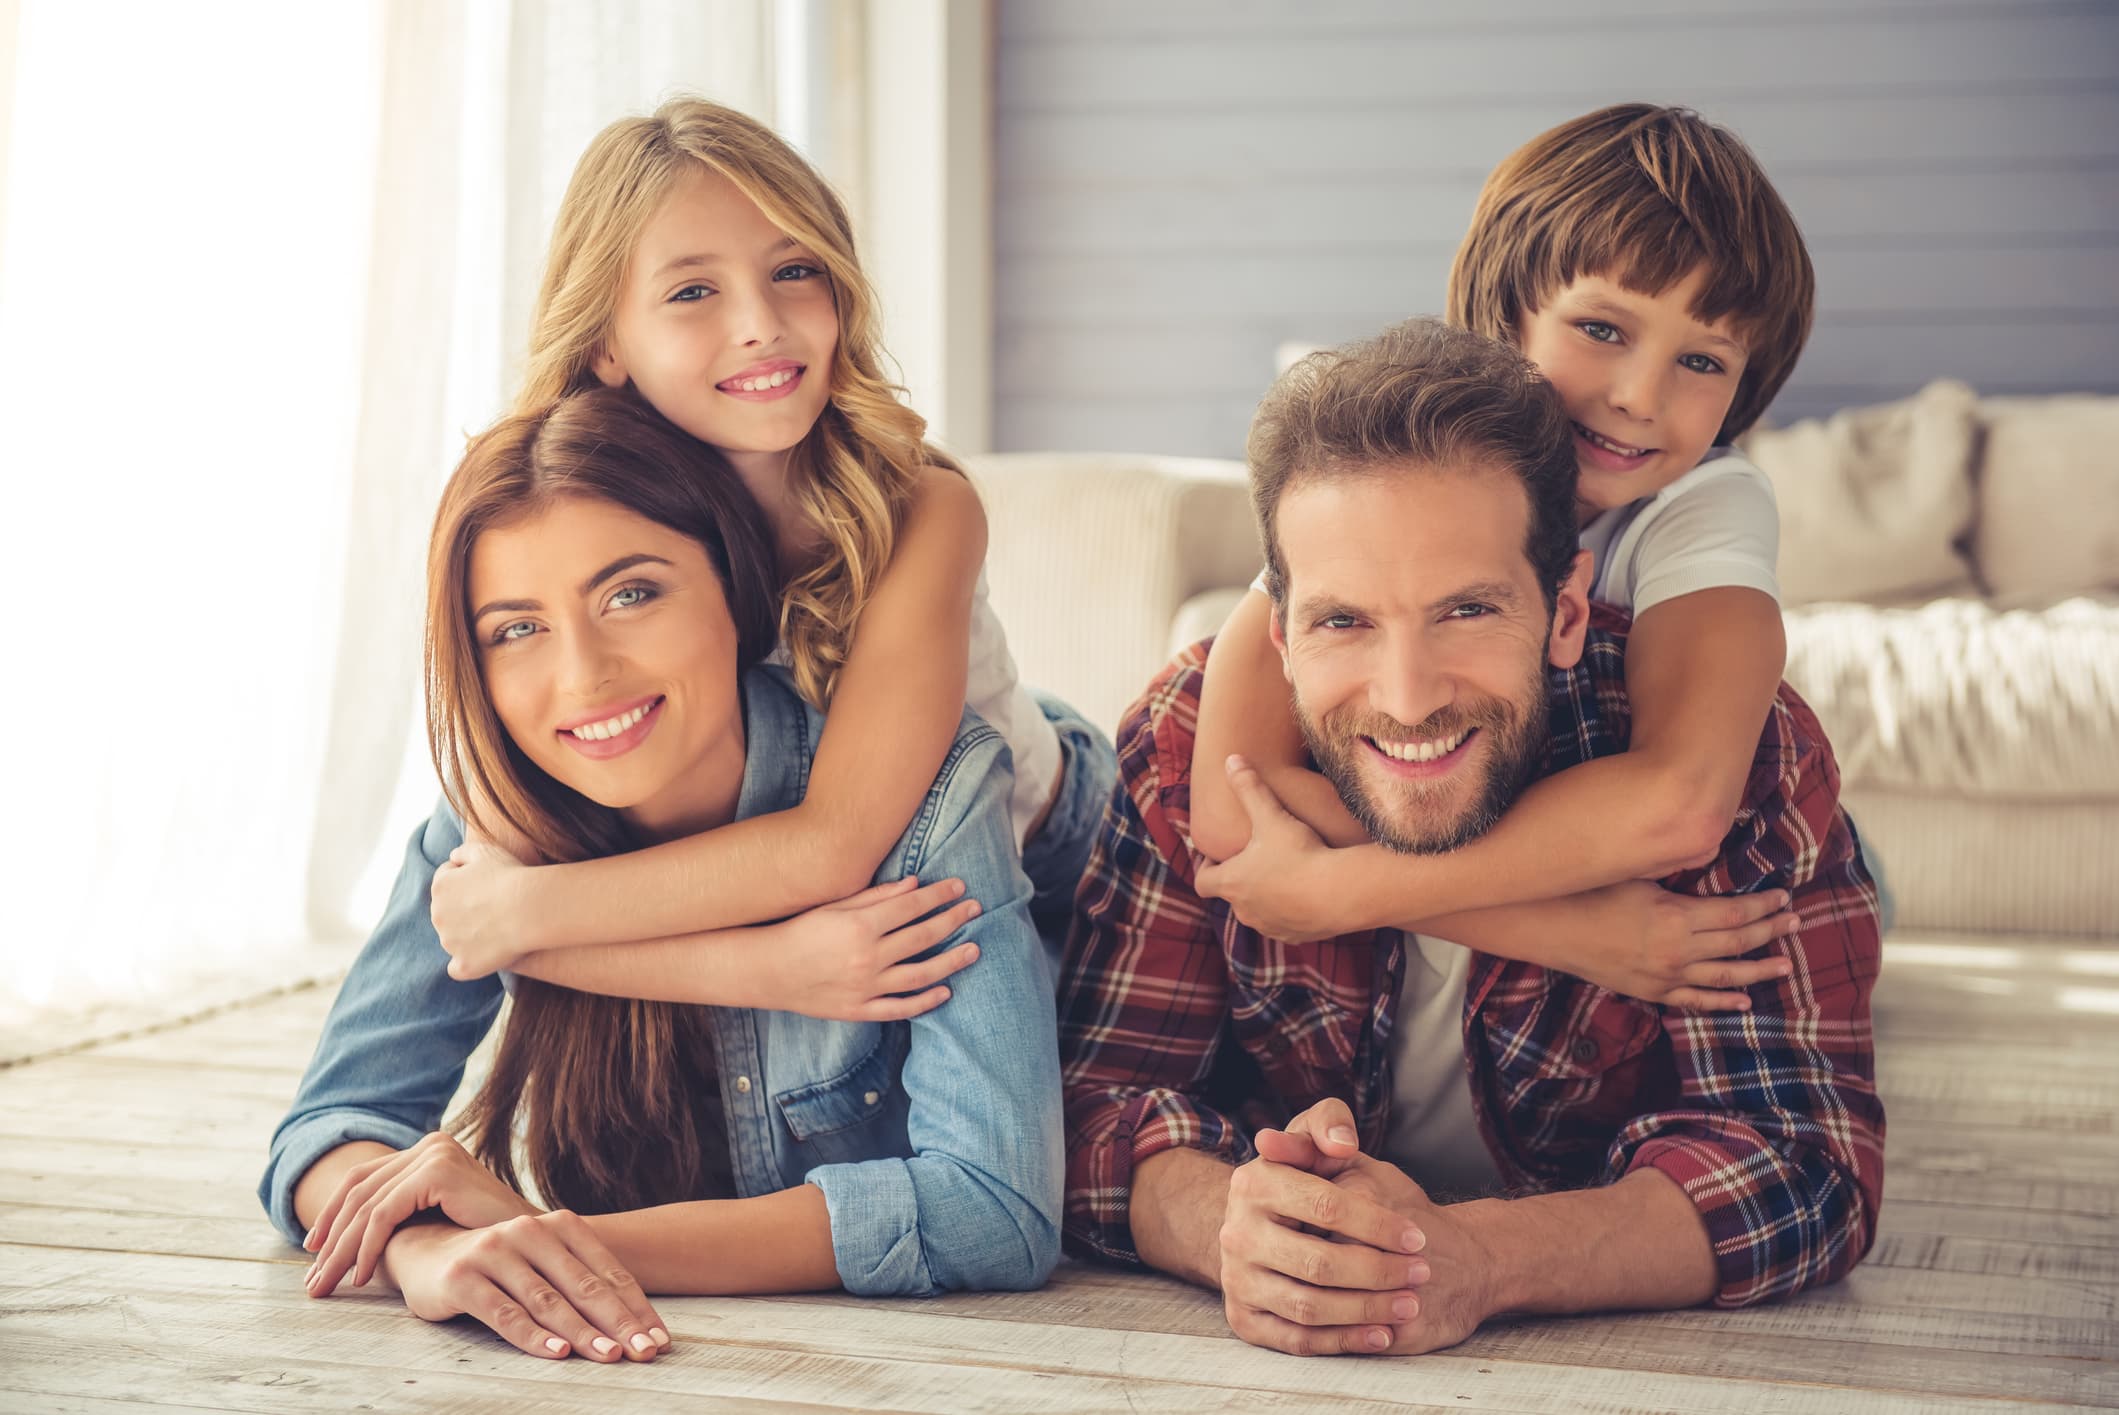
1179,1026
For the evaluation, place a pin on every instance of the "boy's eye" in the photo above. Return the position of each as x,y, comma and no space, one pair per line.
1701,363
797,270
1598,330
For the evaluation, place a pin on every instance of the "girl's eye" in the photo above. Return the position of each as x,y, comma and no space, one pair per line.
797,270
1701,363
1598,330
509,633
692,294
630,595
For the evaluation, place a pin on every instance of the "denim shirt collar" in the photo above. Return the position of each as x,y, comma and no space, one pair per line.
779,739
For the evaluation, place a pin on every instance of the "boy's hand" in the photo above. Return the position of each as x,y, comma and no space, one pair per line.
1676,950
1280,884
479,910
846,961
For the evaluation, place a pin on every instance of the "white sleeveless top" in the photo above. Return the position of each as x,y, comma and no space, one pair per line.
995,691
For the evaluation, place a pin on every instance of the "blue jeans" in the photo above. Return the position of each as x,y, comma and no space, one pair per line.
1058,855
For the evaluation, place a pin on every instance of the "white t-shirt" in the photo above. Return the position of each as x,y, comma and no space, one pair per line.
1433,1133
995,691
1716,525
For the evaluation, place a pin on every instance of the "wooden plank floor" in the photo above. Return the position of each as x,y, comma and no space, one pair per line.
137,1270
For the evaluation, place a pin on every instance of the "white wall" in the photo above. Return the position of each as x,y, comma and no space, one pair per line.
1180,186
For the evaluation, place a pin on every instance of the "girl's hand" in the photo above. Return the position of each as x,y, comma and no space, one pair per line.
845,962
378,1196
543,1281
1677,950
1278,884
478,909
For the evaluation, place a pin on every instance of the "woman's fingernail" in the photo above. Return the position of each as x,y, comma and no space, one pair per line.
662,1338
641,1341
604,1345
554,1344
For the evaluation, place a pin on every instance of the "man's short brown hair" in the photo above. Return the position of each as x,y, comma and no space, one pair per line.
1426,395
1643,195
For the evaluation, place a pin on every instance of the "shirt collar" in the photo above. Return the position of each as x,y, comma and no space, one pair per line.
779,739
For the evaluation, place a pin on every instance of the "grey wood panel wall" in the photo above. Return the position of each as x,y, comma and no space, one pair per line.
1181,185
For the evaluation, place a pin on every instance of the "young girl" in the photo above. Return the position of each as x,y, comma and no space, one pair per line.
700,260
591,562
1639,256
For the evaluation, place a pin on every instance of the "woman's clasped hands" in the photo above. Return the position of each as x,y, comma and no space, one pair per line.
543,1281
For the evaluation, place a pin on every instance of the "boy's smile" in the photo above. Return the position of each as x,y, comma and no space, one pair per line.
1645,382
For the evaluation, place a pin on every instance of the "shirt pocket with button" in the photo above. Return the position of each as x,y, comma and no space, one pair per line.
858,1114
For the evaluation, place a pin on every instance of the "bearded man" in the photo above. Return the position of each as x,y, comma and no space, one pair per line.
1373,1143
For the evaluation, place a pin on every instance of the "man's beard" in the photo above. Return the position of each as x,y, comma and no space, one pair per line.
1516,745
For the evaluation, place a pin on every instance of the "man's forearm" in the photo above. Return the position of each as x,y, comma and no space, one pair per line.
1635,1245
1179,1200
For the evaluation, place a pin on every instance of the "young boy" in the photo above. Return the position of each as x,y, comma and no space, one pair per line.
1641,259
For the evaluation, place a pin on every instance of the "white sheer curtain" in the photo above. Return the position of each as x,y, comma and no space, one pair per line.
262,268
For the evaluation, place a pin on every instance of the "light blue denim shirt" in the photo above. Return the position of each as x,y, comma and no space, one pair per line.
936,1141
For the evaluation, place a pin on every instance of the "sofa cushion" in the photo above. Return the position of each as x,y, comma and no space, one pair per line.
1874,500
1959,696
2049,495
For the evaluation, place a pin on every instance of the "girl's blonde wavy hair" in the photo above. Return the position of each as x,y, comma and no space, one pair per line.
854,474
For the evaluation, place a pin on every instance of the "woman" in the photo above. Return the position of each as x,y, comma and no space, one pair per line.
601,594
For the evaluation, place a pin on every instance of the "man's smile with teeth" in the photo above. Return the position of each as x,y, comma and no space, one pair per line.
1422,751
599,731
1609,446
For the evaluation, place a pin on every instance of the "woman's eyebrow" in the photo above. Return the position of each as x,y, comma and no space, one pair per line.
527,606
505,606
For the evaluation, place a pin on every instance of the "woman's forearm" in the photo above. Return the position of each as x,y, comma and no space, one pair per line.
710,1247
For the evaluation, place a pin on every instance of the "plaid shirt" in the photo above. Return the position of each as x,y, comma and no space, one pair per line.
1180,1026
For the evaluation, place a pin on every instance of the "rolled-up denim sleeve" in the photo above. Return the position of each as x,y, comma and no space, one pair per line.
977,1204
395,1043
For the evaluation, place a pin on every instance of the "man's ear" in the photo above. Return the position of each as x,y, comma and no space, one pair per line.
1570,615
1277,631
607,366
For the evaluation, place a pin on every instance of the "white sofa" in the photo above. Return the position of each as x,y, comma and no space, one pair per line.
1951,570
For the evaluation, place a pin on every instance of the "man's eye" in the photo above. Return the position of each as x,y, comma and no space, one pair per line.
1337,621
1598,330
1471,611
1701,363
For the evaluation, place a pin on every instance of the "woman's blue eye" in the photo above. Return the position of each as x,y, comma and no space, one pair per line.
506,632
1701,363
1598,330
640,593
797,271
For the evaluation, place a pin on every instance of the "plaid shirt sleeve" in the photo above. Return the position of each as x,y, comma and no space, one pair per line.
1778,1132
1144,989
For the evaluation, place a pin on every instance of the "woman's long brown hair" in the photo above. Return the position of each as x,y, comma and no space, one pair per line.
616,1099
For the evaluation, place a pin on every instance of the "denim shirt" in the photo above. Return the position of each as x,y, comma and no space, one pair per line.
936,1141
